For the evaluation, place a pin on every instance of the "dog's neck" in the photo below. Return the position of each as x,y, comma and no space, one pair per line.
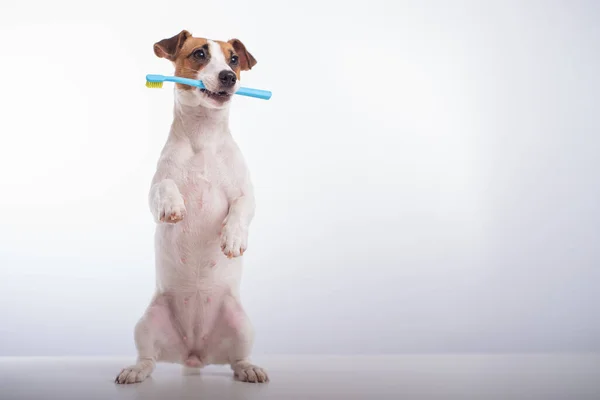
201,125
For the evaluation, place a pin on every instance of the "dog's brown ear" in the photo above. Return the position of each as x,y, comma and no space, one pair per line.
247,61
169,48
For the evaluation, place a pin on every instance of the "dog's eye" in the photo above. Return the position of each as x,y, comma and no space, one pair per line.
234,60
199,54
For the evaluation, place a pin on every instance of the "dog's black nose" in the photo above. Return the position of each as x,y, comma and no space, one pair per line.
227,78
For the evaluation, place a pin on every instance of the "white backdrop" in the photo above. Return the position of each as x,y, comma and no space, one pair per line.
427,173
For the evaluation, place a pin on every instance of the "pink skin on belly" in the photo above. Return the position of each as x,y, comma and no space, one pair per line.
192,328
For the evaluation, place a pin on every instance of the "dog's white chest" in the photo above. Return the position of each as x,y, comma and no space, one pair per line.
205,184
210,167
204,165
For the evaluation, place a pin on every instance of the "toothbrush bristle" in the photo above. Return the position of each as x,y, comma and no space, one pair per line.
154,85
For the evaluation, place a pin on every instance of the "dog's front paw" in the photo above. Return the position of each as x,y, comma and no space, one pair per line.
234,238
171,210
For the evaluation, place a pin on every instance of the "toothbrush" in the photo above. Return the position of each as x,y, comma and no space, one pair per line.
156,81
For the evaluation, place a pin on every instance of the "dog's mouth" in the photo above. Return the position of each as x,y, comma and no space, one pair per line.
220,96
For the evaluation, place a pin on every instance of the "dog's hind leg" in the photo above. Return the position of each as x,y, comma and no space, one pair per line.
156,339
147,354
236,323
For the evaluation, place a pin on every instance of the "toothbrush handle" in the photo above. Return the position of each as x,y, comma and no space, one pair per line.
257,93
185,81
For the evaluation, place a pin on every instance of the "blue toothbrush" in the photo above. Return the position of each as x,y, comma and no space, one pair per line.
156,81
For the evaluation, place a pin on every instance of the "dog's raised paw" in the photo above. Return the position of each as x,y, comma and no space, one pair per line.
234,239
171,213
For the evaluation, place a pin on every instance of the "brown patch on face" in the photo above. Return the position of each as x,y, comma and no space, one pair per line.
247,61
194,56
188,54
229,52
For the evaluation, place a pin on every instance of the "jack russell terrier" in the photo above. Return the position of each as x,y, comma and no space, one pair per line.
202,200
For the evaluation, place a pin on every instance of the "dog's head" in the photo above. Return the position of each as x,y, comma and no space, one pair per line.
217,64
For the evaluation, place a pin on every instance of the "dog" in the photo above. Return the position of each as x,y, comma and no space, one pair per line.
202,200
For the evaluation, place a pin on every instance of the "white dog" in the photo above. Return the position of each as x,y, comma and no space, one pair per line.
202,201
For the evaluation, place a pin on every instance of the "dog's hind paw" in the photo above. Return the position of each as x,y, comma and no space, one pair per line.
250,373
135,373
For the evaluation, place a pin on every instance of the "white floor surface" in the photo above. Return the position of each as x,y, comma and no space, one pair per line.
452,376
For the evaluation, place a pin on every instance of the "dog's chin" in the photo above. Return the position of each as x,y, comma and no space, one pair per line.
198,98
212,99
